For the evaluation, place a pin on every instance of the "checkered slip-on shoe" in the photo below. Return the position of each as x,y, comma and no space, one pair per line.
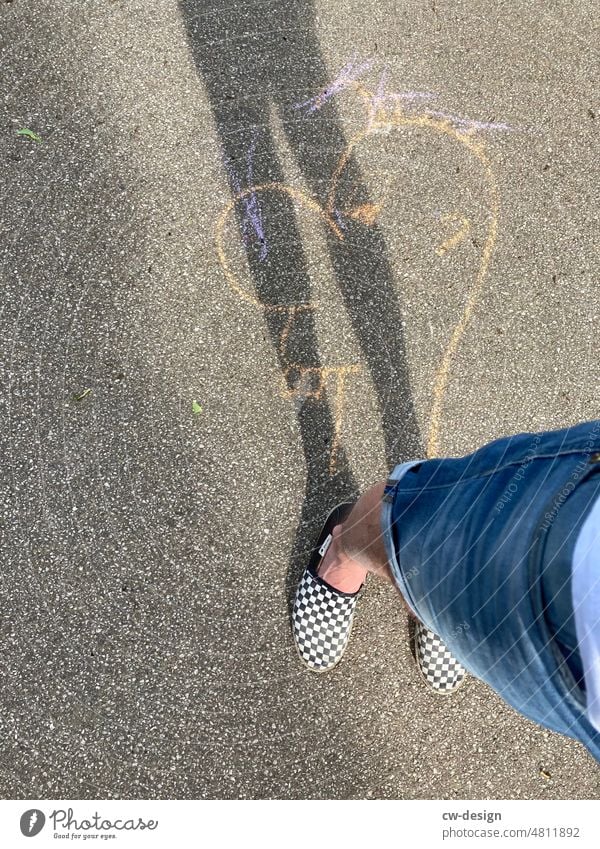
322,616
439,668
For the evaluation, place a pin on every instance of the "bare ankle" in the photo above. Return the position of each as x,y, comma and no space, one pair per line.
339,570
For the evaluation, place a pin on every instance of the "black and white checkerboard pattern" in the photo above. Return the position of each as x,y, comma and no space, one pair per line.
440,668
322,619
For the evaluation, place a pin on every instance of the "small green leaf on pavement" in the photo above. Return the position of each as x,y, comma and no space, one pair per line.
28,134
196,408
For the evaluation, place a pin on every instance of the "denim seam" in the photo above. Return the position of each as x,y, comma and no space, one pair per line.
405,582
400,580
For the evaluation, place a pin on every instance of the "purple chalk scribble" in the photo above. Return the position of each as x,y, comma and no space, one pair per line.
252,218
468,123
338,217
380,98
346,77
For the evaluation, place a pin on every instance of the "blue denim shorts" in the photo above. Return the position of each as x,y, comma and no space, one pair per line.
480,548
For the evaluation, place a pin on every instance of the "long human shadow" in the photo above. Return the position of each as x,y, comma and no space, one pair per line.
254,59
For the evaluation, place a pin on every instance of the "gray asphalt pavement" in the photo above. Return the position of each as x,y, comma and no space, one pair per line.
410,156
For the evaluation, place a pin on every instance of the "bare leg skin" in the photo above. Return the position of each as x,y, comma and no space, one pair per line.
357,546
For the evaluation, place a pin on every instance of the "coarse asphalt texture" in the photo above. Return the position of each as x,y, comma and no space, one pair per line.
173,432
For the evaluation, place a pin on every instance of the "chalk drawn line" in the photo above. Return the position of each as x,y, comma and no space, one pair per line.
379,117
